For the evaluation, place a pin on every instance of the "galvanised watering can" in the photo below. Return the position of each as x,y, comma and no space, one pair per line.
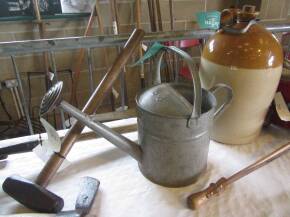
174,122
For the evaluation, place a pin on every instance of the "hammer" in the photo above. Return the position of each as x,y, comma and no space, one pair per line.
42,200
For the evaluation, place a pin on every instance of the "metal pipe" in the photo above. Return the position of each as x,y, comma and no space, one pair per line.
18,100
58,44
23,99
15,102
120,141
26,144
275,28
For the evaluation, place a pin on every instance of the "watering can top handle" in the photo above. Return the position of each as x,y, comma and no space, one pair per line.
196,109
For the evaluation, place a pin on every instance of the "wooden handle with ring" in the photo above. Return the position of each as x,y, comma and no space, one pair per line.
195,200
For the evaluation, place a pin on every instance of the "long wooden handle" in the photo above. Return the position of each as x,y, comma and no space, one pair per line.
197,199
91,106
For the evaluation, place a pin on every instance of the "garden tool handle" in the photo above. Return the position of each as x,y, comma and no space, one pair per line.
91,106
229,96
196,108
195,200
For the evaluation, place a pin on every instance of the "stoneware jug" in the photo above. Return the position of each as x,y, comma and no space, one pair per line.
248,58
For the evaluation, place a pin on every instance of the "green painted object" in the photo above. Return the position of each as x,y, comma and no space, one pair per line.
209,20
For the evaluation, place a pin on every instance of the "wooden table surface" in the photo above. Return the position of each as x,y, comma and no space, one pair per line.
125,192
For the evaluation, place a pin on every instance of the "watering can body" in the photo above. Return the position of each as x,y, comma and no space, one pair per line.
173,153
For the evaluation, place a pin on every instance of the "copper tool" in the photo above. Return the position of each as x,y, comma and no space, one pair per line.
195,200
91,106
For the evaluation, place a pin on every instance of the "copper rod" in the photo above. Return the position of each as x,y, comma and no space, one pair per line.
79,61
91,106
214,189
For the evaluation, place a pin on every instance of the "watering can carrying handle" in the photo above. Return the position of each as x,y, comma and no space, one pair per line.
229,96
196,108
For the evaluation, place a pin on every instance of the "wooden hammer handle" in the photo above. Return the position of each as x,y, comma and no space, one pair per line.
91,106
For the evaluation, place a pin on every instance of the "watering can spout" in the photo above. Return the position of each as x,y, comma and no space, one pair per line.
120,141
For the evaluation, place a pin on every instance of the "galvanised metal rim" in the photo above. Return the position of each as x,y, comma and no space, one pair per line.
137,98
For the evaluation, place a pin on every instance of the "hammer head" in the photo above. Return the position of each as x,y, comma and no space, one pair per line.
31,195
86,197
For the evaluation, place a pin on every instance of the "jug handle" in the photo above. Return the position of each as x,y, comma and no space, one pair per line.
196,108
231,30
228,99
